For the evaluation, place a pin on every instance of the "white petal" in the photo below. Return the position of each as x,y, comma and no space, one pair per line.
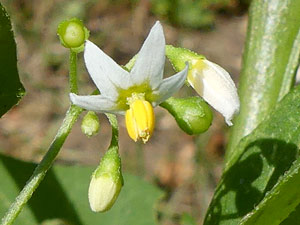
215,85
96,103
150,62
170,85
105,72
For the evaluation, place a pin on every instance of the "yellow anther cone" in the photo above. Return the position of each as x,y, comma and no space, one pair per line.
140,120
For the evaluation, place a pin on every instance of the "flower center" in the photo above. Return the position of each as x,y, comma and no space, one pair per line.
139,117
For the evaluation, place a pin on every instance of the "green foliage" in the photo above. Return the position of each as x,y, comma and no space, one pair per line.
11,89
189,13
63,195
258,162
187,219
285,194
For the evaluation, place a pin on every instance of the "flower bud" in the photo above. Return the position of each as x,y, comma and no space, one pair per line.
209,80
90,124
192,114
106,182
73,34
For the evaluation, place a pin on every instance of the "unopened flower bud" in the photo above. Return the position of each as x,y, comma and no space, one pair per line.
106,182
73,34
208,79
192,114
90,124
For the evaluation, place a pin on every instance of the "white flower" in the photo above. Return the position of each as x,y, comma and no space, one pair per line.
120,88
215,86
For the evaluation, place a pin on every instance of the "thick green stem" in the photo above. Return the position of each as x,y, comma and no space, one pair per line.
269,63
73,72
41,170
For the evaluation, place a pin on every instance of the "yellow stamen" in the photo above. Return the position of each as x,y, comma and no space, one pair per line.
140,119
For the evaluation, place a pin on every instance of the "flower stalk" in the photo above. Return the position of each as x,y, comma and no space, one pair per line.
73,72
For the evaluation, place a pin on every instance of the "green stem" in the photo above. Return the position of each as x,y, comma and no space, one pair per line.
41,170
73,72
115,129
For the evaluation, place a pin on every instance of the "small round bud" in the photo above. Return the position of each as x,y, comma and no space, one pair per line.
106,182
90,124
72,34
192,114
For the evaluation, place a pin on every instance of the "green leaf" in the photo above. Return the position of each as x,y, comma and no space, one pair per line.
294,218
11,89
259,160
270,62
279,202
63,195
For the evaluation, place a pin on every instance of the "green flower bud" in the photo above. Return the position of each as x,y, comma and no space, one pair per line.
90,124
106,182
72,34
192,114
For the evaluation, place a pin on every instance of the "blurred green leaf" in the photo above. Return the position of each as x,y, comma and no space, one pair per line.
187,219
11,89
189,13
267,153
62,196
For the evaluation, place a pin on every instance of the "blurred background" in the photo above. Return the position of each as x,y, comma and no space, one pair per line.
186,167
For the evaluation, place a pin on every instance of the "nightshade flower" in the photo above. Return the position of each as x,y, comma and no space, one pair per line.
136,92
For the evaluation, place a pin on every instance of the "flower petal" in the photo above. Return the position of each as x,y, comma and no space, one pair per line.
105,72
215,85
170,85
96,103
150,62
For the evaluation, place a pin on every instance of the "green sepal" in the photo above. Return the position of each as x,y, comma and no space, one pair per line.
110,165
178,57
192,114
73,34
